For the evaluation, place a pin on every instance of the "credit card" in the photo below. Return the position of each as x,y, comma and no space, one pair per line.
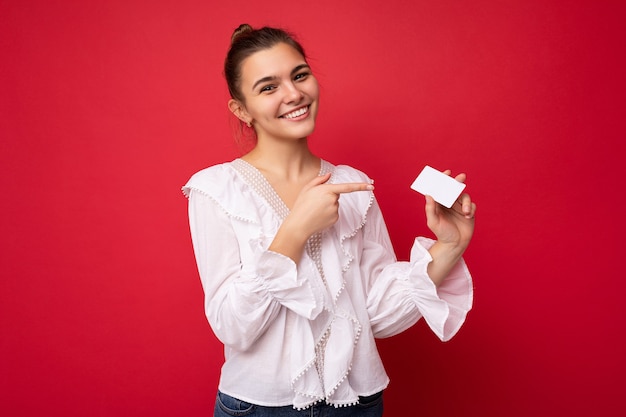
441,187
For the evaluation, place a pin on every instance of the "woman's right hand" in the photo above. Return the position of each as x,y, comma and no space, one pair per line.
316,208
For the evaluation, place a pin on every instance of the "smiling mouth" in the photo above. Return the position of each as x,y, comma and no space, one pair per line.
296,113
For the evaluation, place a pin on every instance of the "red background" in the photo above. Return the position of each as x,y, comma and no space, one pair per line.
107,107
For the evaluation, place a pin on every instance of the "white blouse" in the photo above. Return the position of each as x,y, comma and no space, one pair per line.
299,334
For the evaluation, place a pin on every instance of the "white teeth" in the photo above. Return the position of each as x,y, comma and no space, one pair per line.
296,113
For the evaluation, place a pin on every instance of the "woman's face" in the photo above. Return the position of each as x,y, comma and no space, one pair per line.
281,94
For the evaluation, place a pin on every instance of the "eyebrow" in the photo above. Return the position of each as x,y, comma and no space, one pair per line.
273,77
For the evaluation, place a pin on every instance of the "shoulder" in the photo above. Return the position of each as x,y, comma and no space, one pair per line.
210,180
221,184
353,207
346,173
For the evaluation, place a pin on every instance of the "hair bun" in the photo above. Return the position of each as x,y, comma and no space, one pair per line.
240,31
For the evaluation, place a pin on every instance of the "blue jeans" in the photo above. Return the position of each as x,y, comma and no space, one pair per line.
227,406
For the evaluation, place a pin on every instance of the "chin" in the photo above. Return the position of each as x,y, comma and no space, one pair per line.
301,131
308,131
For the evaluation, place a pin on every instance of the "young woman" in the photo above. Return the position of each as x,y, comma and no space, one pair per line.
296,263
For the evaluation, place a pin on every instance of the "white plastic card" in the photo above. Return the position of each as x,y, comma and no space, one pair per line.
441,187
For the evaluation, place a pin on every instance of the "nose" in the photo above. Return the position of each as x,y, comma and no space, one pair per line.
292,93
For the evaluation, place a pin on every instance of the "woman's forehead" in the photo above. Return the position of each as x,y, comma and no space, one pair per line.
275,61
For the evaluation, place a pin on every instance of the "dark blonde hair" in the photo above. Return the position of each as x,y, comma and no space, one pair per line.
244,42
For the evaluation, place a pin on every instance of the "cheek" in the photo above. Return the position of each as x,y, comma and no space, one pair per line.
262,108
314,89
315,95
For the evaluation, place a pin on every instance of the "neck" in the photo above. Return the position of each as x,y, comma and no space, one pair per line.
289,160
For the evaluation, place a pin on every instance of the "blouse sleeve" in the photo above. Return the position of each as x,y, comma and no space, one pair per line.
400,293
240,305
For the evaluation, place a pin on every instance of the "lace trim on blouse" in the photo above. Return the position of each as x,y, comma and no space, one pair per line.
259,183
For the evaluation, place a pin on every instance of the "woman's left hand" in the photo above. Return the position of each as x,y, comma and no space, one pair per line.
453,226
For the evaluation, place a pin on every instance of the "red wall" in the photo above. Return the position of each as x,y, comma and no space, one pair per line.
107,107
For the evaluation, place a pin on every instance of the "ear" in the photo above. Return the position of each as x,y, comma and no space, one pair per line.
239,111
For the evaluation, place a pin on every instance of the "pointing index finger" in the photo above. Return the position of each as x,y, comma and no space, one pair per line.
350,187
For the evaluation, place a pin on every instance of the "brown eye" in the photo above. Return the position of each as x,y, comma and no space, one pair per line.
301,76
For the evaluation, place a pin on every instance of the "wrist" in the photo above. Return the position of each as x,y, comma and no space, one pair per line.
296,232
290,240
444,257
448,249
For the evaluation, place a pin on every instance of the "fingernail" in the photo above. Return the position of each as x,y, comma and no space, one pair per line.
370,187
